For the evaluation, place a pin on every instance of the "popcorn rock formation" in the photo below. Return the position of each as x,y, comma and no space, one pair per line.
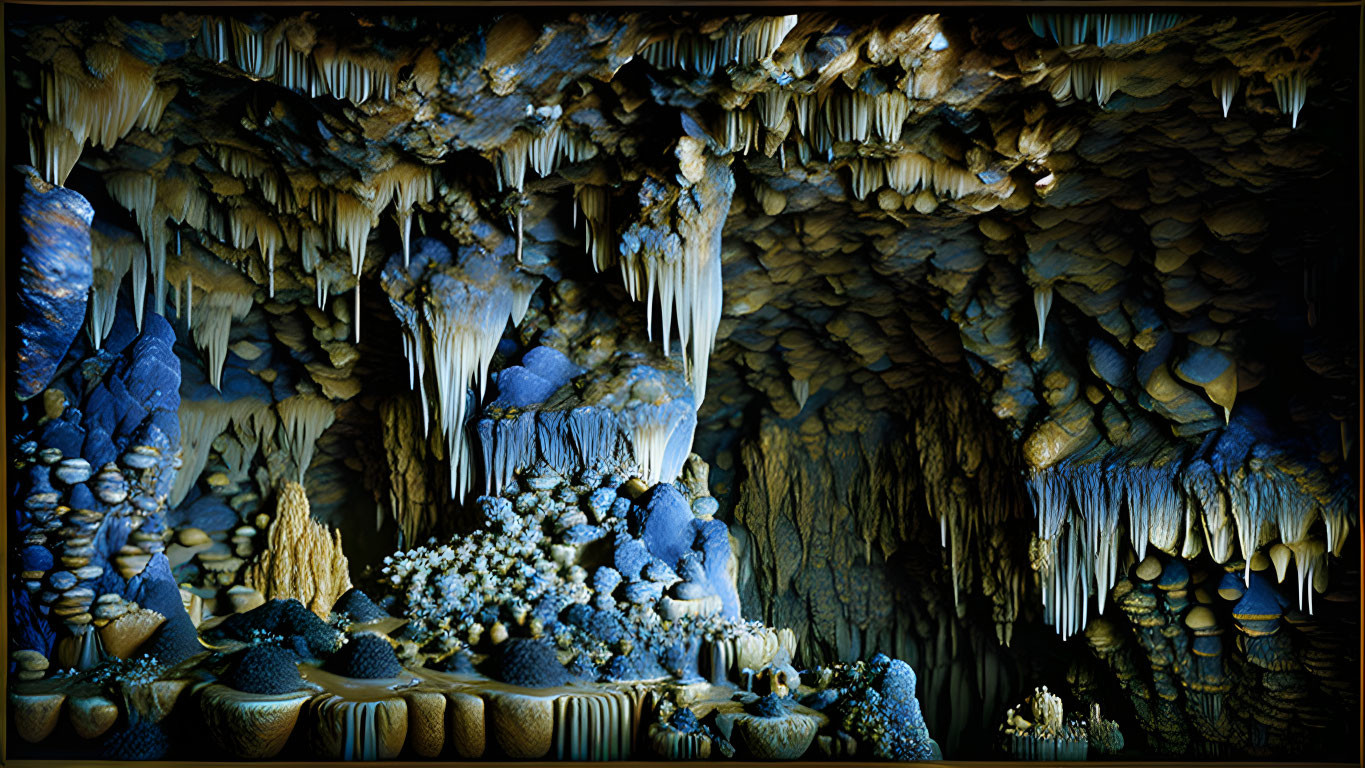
731,385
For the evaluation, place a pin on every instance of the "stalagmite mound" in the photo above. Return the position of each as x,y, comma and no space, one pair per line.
302,559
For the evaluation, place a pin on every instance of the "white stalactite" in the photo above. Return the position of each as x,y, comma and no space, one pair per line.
1225,87
1042,305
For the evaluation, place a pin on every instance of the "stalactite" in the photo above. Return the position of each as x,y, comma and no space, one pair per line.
303,419
892,110
867,176
953,181
137,192
465,321
703,208
801,391
597,239
1106,81
741,131
201,422
761,38
523,288
1225,87
909,172
255,53
350,75
111,258
772,107
250,226
407,184
849,116
213,39
101,99
1099,509
54,150
351,221
511,162
1104,29
1042,305
1291,91
1250,513
217,310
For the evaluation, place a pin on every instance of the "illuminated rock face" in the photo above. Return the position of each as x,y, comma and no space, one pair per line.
697,347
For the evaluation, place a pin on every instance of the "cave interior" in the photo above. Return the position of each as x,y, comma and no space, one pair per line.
683,384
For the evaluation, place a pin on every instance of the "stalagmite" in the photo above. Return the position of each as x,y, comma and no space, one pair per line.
1042,305
1225,87
302,560
303,419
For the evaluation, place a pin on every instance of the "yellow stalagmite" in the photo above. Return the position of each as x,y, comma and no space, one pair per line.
303,560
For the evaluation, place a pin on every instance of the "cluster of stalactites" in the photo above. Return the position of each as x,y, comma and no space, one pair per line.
110,260
289,54
1291,90
217,311
592,200
303,419
1096,79
1102,29
454,333
202,421
910,173
545,146
744,44
111,93
688,283
1182,512
98,100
